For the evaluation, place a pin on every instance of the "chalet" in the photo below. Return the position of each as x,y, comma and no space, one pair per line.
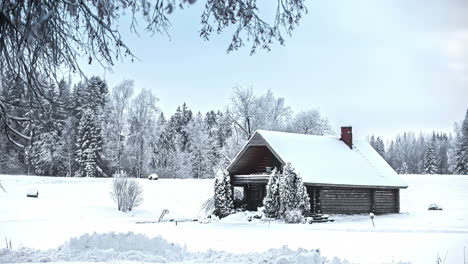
341,175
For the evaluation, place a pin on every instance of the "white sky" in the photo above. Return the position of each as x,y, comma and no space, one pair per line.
380,66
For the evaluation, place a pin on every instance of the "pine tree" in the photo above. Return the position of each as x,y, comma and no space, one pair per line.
202,148
271,200
164,152
429,162
380,146
442,153
372,142
89,145
223,195
293,194
403,169
46,149
180,121
89,100
48,154
461,152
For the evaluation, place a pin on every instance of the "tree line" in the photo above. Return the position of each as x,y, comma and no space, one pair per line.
435,153
87,130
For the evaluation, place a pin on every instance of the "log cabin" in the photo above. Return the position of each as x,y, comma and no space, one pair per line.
341,175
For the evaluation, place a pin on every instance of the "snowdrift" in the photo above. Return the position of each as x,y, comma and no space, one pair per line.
139,248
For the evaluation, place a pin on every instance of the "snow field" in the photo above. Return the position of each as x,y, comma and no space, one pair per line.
72,207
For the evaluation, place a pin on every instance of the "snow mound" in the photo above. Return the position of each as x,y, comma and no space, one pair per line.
282,255
242,217
101,248
139,248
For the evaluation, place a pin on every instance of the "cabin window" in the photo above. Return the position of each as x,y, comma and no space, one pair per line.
239,197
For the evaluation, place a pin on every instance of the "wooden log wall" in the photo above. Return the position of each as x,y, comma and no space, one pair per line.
345,201
385,201
354,200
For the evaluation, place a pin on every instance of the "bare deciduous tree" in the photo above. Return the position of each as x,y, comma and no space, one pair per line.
310,122
249,112
143,115
41,40
116,123
242,110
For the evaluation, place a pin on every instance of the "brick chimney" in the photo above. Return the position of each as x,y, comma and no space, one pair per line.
347,136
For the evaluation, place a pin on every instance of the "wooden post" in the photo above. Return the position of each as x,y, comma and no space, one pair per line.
372,199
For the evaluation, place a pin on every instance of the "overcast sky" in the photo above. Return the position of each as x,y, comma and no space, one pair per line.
380,66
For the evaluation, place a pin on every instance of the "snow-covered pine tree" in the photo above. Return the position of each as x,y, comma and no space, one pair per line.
89,101
429,162
372,142
442,153
179,122
271,202
380,146
293,194
403,169
89,145
48,154
224,130
164,151
68,143
202,148
223,195
182,163
461,151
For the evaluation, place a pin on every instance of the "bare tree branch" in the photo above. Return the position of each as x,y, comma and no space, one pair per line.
40,40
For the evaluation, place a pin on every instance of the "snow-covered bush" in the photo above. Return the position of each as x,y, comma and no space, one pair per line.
271,201
126,192
223,197
292,192
293,217
285,192
434,207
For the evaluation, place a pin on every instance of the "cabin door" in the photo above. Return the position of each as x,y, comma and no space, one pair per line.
314,198
254,194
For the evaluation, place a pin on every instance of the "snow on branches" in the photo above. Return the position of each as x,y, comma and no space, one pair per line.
223,194
285,193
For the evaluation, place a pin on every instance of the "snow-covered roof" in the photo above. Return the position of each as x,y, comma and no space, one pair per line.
328,160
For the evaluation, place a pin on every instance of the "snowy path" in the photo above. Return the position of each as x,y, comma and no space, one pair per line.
72,207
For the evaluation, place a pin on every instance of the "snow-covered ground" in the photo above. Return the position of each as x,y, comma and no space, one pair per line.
76,208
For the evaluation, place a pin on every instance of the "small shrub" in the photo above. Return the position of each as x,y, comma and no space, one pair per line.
126,192
207,207
293,217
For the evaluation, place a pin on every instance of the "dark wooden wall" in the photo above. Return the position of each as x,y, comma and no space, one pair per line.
386,201
345,201
353,200
254,160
